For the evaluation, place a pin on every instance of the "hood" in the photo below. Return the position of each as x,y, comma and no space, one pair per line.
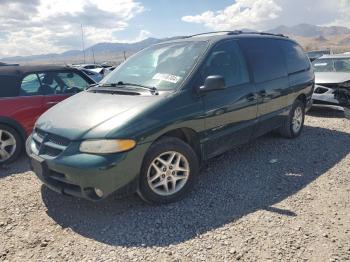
331,77
93,115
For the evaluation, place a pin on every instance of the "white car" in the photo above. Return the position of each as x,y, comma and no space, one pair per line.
332,73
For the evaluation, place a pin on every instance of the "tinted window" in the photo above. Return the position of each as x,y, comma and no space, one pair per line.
295,57
265,57
30,85
227,60
9,86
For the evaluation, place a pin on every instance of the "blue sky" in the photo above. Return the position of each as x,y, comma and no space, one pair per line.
163,18
33,27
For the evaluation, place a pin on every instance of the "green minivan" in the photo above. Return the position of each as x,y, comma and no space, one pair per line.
149,125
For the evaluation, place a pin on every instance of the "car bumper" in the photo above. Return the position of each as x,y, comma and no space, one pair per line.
78,174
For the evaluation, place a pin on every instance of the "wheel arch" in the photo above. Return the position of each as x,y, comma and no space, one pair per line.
15,125
187,135
302,98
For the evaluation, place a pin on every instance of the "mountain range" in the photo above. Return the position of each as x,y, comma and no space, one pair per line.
309,36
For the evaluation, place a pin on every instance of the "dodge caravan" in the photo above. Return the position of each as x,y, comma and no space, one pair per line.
149,125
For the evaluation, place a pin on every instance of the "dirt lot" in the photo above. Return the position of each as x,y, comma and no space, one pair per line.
272,199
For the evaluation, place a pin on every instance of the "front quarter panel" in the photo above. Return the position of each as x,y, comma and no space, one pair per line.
183,109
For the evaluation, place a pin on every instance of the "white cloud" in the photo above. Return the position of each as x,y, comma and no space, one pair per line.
46,26
241,14
344,9
266,14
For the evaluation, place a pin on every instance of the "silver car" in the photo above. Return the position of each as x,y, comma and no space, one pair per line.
332,73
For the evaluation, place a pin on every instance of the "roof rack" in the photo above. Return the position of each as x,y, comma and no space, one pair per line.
237,32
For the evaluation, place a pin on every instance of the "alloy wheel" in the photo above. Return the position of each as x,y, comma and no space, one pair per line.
168,173
297,121
7,145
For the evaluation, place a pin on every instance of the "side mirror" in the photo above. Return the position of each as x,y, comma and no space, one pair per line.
213,83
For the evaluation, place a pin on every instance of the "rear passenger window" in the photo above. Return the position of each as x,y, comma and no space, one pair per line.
296,59
30,85
227,60
265,57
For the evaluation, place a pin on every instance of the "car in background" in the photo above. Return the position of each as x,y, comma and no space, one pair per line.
313,55
87,66
97,77
25,93
332,74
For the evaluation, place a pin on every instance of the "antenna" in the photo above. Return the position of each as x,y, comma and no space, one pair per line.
82,41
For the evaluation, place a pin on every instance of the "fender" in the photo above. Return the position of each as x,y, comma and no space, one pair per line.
14,124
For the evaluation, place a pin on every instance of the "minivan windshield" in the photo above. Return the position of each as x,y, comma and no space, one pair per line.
163,66
332,65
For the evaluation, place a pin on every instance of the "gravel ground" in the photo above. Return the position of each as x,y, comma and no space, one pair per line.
273,199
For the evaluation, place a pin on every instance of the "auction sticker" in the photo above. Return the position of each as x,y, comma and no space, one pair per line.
167,77
321,64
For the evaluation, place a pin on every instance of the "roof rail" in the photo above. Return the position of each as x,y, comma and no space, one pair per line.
237,32
213,32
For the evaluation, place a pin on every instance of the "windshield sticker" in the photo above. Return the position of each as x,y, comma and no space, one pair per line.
321,64
166,77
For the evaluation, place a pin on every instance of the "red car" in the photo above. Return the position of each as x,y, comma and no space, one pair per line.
25,93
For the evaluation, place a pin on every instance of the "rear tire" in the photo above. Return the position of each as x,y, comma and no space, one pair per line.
11,144
168,171
294,123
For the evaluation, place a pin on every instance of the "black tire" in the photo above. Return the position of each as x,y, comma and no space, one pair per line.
18,142
167,144
287,130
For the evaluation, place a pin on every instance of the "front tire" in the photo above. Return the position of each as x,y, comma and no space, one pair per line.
168,171
10,144
294,123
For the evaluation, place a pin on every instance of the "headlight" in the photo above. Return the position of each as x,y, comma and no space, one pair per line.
106,146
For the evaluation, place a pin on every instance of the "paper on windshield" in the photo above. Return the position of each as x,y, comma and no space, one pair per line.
321,64
167,77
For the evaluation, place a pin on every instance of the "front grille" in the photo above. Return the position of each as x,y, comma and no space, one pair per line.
52,138
49,145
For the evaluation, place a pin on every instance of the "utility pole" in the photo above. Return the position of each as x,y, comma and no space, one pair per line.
82,41
124,55
93,54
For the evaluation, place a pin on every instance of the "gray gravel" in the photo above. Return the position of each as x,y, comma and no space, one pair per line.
273,199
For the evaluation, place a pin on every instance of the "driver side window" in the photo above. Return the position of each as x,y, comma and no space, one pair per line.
72,82
226,60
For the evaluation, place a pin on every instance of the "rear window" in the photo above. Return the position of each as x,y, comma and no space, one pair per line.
296,59
8,86
265,57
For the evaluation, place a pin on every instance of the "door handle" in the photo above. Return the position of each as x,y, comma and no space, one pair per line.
51,103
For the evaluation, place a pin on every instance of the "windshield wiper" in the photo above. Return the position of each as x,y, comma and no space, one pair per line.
153,90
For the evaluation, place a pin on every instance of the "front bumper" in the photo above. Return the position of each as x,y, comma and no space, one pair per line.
78,174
